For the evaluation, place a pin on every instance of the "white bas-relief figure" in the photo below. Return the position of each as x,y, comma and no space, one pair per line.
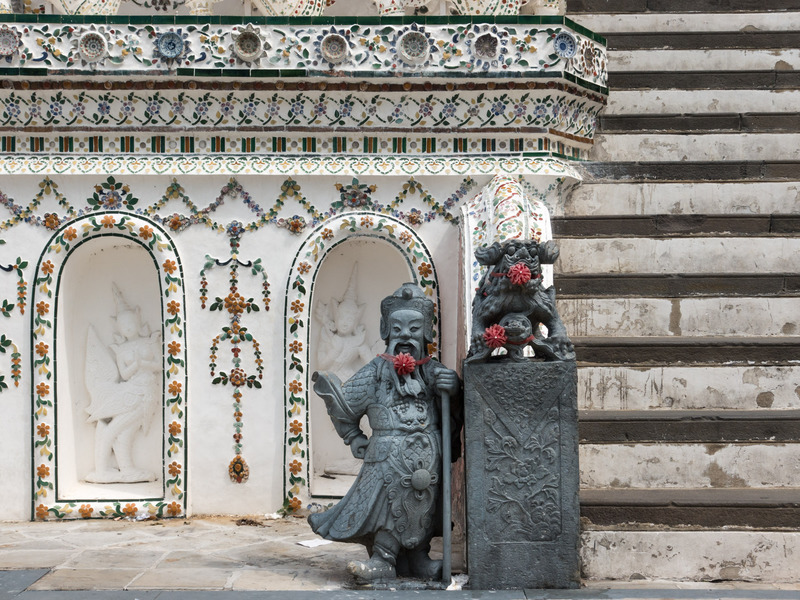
124,383
342,346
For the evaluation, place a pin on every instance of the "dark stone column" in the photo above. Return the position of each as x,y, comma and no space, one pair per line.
523,515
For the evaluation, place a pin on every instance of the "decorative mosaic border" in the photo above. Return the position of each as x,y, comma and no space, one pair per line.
296,329
382,49
155,240
360,111
347,166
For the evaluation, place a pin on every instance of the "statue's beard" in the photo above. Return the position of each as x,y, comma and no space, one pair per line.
411,347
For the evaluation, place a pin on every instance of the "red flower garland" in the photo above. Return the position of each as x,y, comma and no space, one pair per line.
495,336
519,274
404,363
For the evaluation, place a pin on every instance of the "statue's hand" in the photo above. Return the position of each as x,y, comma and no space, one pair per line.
359,446
447,381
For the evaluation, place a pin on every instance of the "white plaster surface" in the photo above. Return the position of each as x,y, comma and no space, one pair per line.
694,22
681,317
696,147
660,101
678,255
643,198
691,555
681,388
689,465
703,60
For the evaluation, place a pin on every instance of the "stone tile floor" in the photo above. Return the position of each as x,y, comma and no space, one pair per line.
209,557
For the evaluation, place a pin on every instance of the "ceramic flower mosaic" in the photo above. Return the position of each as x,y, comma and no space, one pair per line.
48,503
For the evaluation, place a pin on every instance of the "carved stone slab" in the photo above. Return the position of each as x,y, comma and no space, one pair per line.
523,515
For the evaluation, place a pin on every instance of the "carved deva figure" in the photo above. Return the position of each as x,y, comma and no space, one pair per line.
510,304
392,507
124,386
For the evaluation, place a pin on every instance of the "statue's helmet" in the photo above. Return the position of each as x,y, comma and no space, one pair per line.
408,297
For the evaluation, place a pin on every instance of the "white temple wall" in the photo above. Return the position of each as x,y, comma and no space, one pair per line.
209,413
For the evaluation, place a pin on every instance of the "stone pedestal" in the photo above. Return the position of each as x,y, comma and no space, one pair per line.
523,516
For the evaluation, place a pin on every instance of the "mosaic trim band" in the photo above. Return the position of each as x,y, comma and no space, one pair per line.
350,166
296,330
344,51
44,298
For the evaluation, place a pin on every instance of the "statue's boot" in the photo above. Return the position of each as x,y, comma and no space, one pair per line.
381,565
374,569
423,566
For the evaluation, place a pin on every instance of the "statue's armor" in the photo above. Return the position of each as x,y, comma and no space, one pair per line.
398,486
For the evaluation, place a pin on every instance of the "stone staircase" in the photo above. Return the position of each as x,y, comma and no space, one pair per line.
679,279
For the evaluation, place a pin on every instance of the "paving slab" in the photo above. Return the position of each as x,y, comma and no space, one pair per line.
192,578
86,579
34,559
14,582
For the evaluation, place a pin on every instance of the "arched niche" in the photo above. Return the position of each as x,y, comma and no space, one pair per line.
388,253
109,372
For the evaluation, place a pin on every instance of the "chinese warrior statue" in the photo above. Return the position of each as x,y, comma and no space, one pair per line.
124,384
393,506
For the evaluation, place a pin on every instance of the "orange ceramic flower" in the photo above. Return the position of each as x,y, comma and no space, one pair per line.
297,306
304,267
366,221
43,430
173,509
295,386
70,234
41,512
43,389
296,427
145,232
237,377
173,307
174,348
425,269
47,267
42,471
130,510
41,349
174,428
86,511
295,504
169,266
295,347
327,234
174,469
175,388
108,221
295,467
42,308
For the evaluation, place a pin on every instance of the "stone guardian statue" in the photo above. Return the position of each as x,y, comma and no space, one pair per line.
393,506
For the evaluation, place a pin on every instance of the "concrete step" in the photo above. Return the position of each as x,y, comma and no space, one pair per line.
650,61
692,555
678,39
687,317
696,171
657,101
682,6
678,255
695,224
658,389
656,198
689,426
771,77
774,122
697,147
609,24
711,508
690,465
689,351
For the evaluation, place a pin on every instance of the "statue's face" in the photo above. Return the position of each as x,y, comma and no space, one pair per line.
128,324
407,333
346,317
